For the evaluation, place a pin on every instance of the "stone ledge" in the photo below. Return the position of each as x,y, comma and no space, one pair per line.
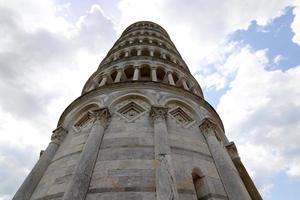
52,196
211,195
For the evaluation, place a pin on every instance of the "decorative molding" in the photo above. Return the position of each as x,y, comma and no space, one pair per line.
208,128
206,124
131,111
84,120
102,115
181,117
232,150
158,113
58,135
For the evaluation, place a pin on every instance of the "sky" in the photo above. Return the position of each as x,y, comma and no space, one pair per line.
245,55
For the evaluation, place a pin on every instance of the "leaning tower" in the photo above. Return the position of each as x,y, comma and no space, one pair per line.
141,129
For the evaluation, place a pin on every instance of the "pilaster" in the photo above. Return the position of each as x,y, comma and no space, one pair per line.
232,182
79,183
34,177
165,179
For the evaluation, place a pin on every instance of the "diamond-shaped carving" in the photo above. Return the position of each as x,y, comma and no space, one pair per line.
181,116
84,120
131,111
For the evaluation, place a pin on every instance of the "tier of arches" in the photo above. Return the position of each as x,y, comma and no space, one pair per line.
146,32
145,72
146,50
136,40
145,25
201,182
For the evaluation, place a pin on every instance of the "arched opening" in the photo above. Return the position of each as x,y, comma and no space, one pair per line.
145,73
145,52
168,57
113,75
146,41
175,77
133,52
199,185
155,42
129,72
160,73
156,54
122,55
136,41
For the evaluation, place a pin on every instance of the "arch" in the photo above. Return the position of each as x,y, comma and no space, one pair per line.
145,52
200,183
136,41
133,52
175,77
168,57
160,74
129,71
157,54
113,75
155,42
132,95
145,73
121,55
146,40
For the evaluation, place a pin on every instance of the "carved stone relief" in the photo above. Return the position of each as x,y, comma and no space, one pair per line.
131,111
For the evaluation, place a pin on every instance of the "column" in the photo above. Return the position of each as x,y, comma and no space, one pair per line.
34,177
151,53
126,54
80,181
170,78
153,74
115,57
103,81
233,184
136,73
234,155
119,75
185,86
139,52
165,179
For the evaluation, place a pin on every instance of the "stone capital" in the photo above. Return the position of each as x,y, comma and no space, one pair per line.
169,72
158,113
208,127
207,123
232,151
102,115
59,135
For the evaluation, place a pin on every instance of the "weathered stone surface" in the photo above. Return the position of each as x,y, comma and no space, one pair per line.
152,147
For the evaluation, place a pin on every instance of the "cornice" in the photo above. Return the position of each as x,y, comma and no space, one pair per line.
142,85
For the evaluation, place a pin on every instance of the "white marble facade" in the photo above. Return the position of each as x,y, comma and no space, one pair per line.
140,130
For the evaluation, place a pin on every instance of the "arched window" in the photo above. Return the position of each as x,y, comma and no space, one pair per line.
129,72
145,52
160,73
156,54
199,184
145,73
133,52
113,75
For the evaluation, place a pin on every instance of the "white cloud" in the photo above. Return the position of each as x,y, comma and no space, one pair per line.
199,29
296,23
45,61
277,59
260,111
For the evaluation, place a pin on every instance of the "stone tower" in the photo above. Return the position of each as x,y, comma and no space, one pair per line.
140,130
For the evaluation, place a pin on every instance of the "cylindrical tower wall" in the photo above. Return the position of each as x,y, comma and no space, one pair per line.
134,132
